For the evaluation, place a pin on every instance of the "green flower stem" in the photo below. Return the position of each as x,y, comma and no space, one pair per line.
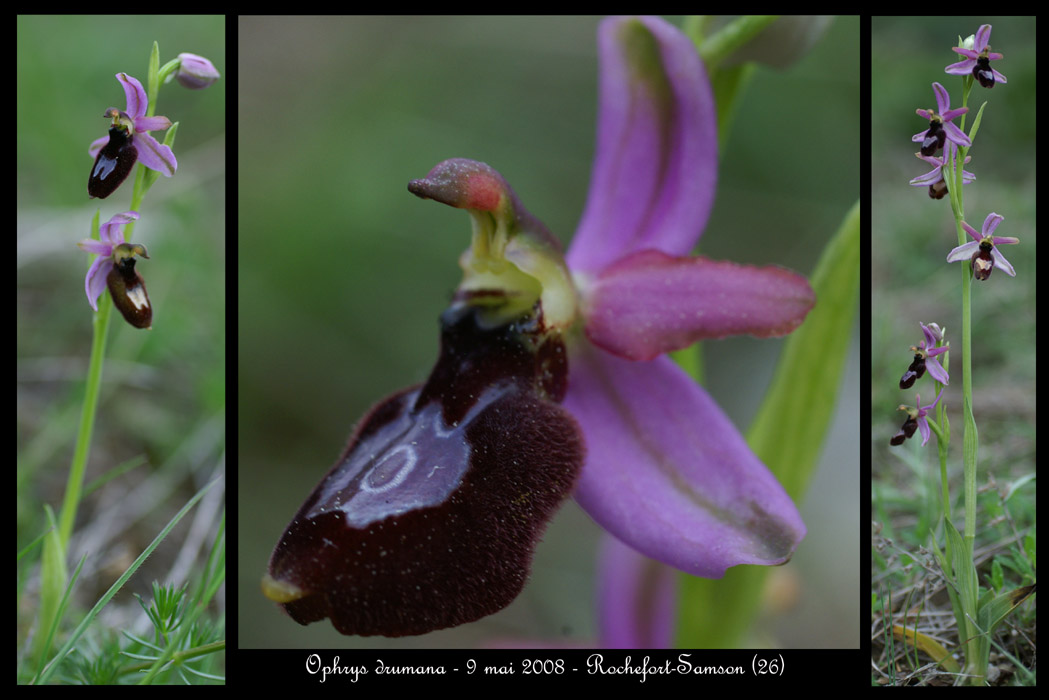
943,442
739,32
970,441
87,419
965,608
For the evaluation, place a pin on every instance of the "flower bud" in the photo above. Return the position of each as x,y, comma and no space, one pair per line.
195,72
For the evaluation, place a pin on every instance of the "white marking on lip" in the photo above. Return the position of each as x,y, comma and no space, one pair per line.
137,295
386,475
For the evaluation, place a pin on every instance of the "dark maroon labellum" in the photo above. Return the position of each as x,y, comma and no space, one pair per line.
983,73
982,262
429,518
129,293
113,163
909,426
935,137
938,190
915,371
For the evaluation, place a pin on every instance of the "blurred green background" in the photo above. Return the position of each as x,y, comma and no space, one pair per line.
342,272
912,234
163,396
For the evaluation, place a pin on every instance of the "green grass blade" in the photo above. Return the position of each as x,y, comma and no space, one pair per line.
104,600
53,630
790,427
29,547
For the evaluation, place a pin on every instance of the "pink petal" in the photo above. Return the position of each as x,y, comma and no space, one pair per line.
155,155
650,303
137,102
667,472
654,172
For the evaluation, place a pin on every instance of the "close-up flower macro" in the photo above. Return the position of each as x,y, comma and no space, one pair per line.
577,215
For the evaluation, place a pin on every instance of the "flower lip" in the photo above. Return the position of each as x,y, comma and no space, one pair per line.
429,518
114,160
127,288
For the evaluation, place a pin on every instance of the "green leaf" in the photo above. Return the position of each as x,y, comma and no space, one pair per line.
734,35
29,547
995,610
53,578
997,576
964,570
788,432
53,630
975,128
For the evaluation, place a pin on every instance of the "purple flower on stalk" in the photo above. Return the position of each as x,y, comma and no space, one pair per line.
521,407
128,142
935,179
940,126
925,358
916,420
115,268
981,250
977,59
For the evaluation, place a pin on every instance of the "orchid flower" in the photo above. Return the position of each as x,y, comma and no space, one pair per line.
940,127
552,377
115,268
917,419
128,142
976,58
925,358
981,251
936,179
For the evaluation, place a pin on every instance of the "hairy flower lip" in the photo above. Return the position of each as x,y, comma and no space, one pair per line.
429,518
